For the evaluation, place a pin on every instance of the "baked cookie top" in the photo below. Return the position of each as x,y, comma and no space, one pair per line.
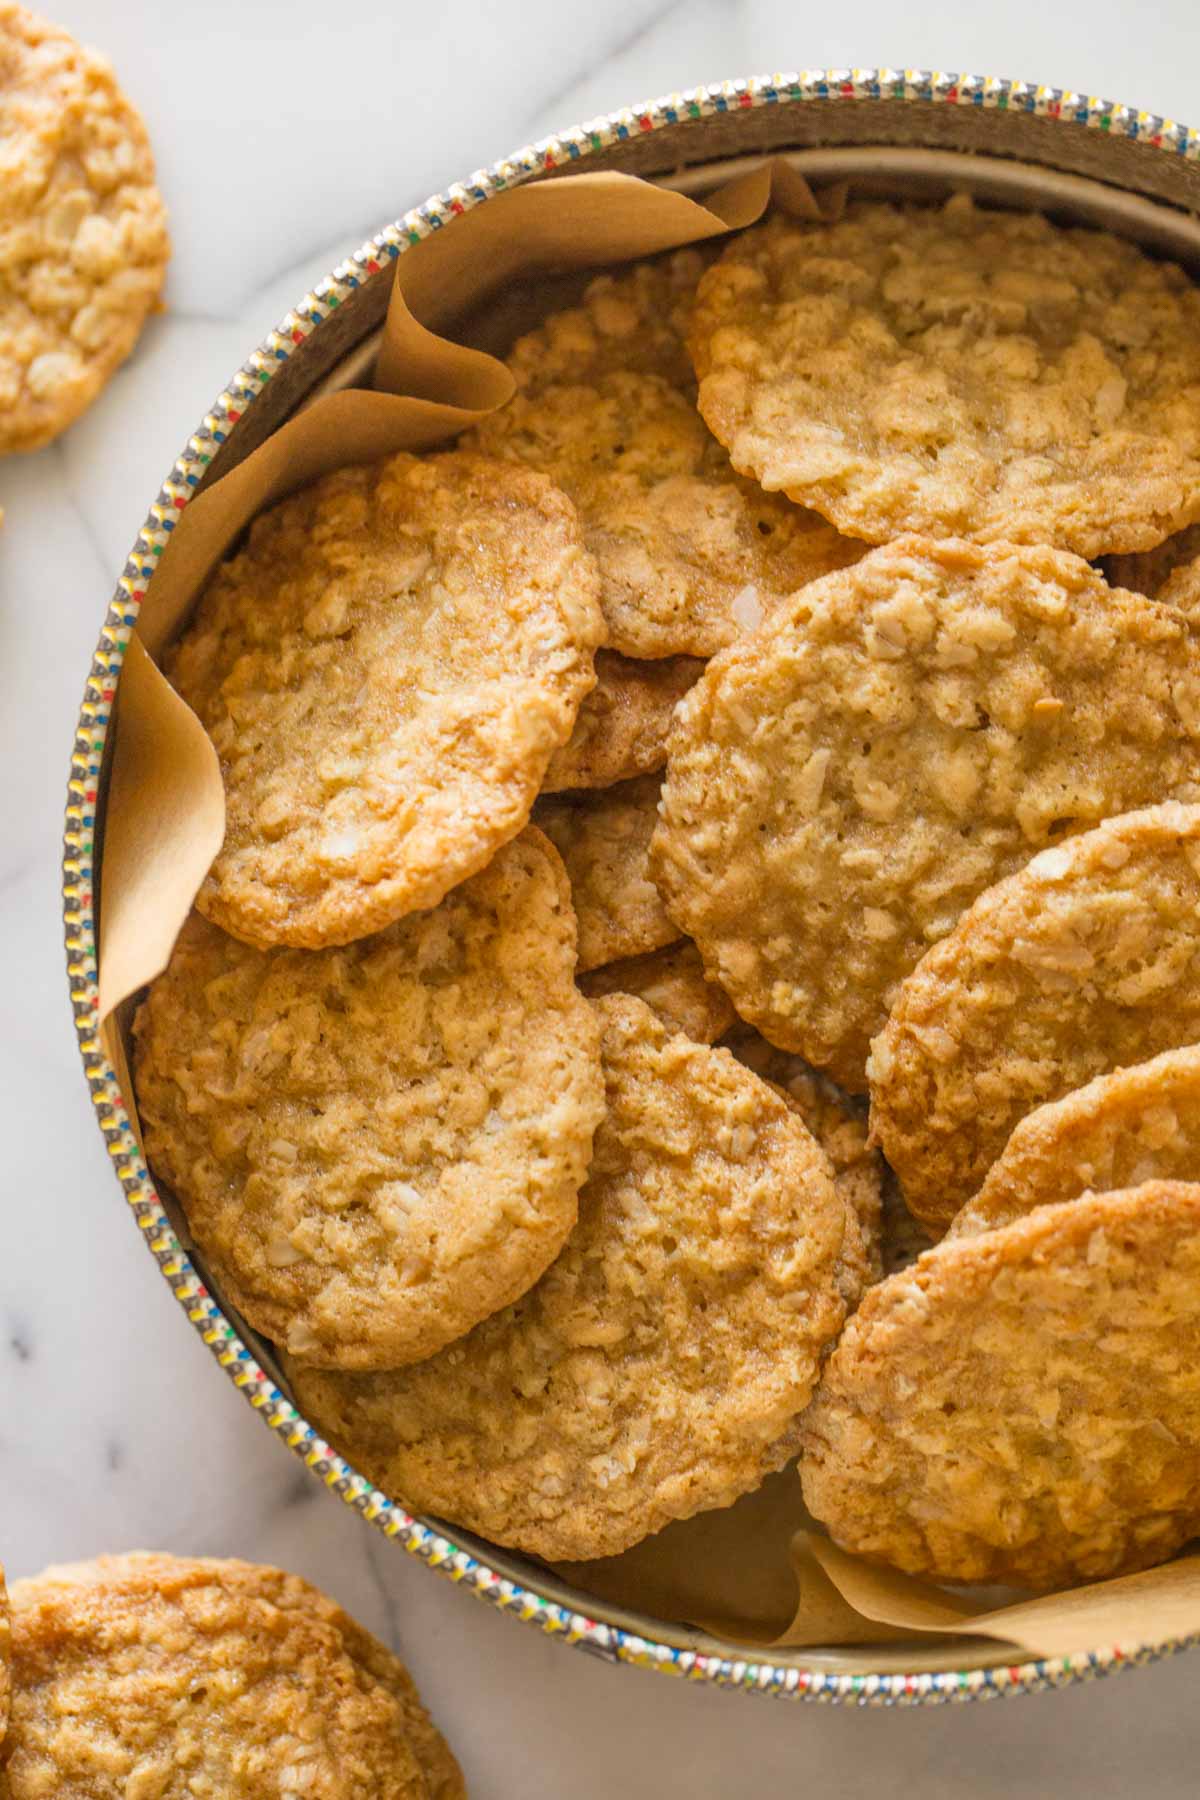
5,1663
958,372
385,671
622,727
377,1146
1129,1126
842,784
657,1369
83,230
839,1125
673,984
1085,960
604,839
158,1675
1022,1406
689,553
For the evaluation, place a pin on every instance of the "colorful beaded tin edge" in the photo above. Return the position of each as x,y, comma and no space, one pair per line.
601,1639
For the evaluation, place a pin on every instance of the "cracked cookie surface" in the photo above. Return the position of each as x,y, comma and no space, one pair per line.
169,1677
385,671
1022,1406
83,230
657,1368
377,1146
957,372
844,783
1086,960
690,554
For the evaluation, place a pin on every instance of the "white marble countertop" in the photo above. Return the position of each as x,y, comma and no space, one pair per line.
284,133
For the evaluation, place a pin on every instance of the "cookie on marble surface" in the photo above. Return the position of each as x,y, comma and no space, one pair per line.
673,984
377,1146
83,230
5,1666
385,671
1133,1125
1023,1406
839,1125
657,1368
690,554
957,372
603,838
1170,572
1084,961
155,1675
622,727
843,784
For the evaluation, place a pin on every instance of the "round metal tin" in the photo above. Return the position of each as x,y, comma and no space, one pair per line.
1096,159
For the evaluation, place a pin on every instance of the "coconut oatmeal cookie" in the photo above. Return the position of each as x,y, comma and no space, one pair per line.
958,372
1084,961
604,840
842,784
689,553
1124,1128
155,1677
657,1368
377,1146
83,231
385,671
1022,1406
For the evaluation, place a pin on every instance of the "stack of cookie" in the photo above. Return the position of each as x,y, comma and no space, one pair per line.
743,679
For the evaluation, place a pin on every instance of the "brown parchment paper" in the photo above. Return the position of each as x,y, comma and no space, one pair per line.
758,1573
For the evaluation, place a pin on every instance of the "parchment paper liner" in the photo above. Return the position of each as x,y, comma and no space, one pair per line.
756,1573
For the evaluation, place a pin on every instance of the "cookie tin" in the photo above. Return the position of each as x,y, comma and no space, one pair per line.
889,128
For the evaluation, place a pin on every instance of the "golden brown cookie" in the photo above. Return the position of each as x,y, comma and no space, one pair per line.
673,984
957,372
843,784
604,839
622,727
155,1677
83,230
1085,960
1170,572
690,554
1022,1406
376,1147
1133,1125
839,1125
5,1665
385,671
657,1369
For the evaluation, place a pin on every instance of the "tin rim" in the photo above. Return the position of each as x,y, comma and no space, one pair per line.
611,1642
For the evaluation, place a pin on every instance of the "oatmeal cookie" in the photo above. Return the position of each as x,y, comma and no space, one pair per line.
385,671
1170,572
657,1369
1133,1125
83,230
5,1666
690,554
622,727
604,839
673,984
843,784
1085,960
168,1677
957,372
839,1125
376,1147
1022,1406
